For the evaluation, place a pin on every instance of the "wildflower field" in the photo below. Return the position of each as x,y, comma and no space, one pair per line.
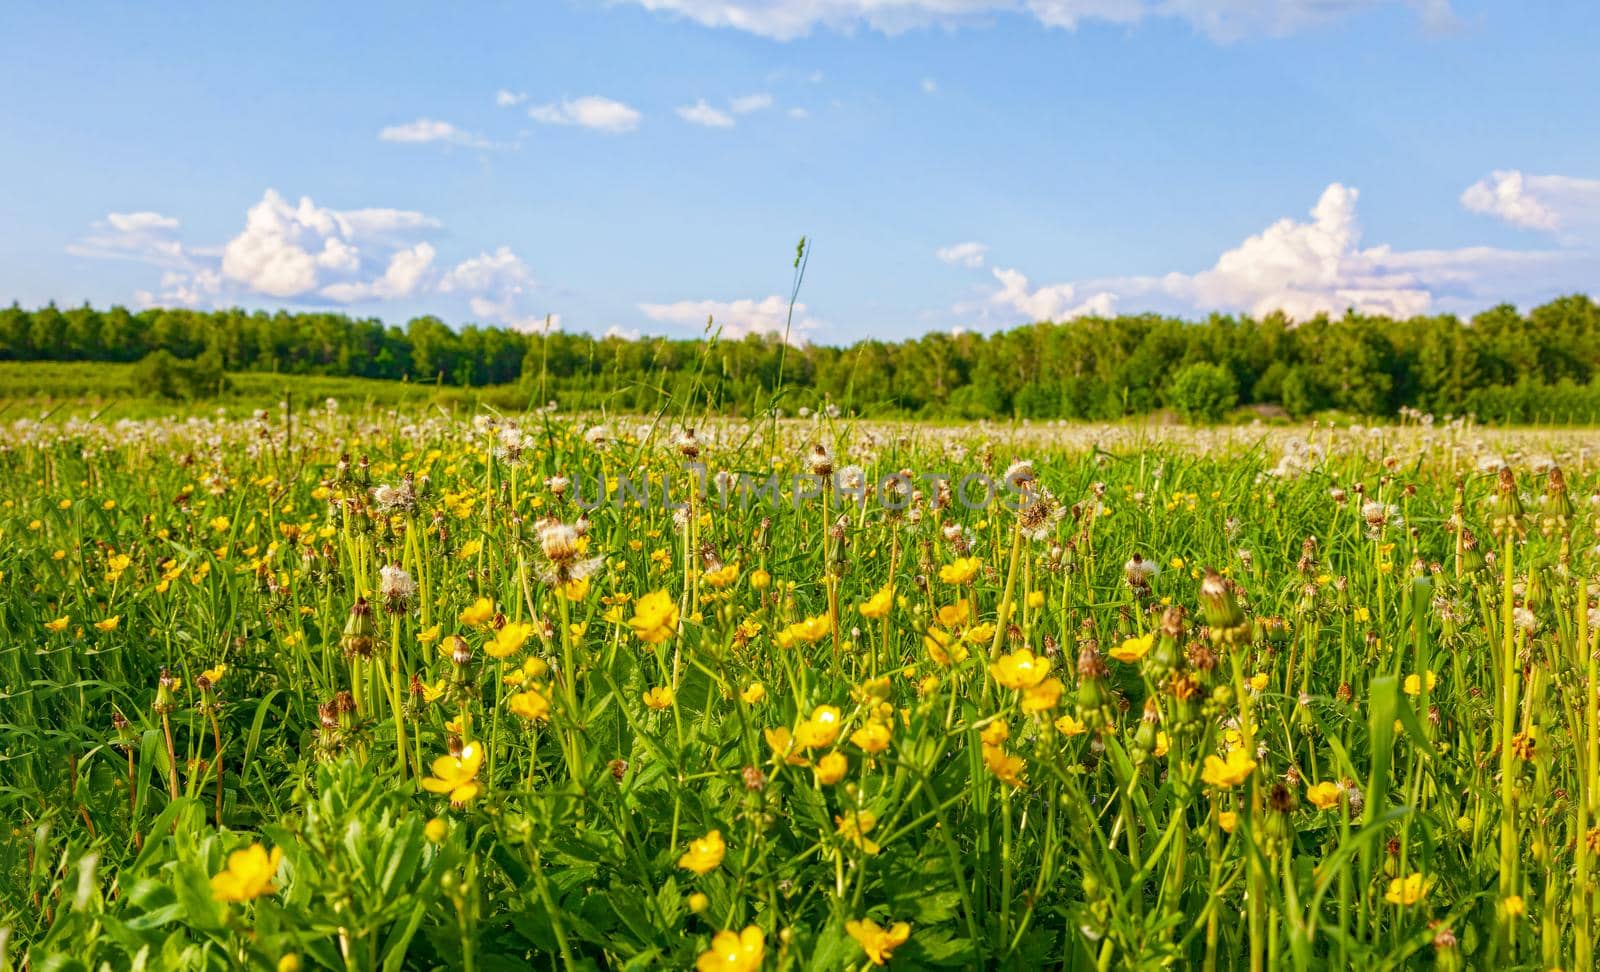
346,688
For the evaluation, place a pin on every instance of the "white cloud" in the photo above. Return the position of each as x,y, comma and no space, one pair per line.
622,333
509,99
968,254
736,318
1304,268
703,114
1553,203
745,104
310,254
799,114
143,237
1220,19
425,130
590,111
930,86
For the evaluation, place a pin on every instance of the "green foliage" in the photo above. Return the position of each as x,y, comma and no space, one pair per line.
161,375
1203,392
1088,368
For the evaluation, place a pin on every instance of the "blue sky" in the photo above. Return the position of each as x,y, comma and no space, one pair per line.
636,165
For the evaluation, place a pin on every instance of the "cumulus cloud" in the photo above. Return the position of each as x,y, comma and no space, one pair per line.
1308,267
736,318
968,254
622,333
590,111
425,130
509,99
1220,19
704,115
1553,203
305,253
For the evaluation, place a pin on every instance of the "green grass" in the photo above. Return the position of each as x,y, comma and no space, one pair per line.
233,736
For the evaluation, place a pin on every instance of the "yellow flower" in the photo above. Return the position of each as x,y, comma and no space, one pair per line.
456,775
995,733
658,698
704,855
436,830
576,589
1035,599
1224,774
955,615
871,738
944,648
1021,669
698,902
249,874
734,952
1133,649
1515,906
214,675
760,579
530,704
655,618
831,768
960,571
509,639
878,605
878,942
1163,743
109,624
754,693
1006,767
1407,890
854,826
1043,697
722,576
781,742
59,624
1068,726
429,635
1258,683
809,632
1323,796
1414,684
819,730
480,613
1227,820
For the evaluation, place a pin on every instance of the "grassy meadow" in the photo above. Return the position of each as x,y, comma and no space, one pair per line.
383,686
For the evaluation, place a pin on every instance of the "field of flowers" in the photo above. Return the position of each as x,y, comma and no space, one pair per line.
335,688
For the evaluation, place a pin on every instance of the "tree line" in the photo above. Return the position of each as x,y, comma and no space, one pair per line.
1501,364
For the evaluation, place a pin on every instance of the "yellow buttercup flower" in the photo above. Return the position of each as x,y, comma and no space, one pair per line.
819,730
1413,684
109,624
478,614
658,698
871,738
655,618
59,624
960,571
704,855
1021,669
530,704
1133,649
808,631
456,775
1068,726
1407,891
436,830
734,952
1228,773
214,675
1323,796
831,768
248,875
722,576
878,605
754,693
509,640
1043,697
876,941
853,828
